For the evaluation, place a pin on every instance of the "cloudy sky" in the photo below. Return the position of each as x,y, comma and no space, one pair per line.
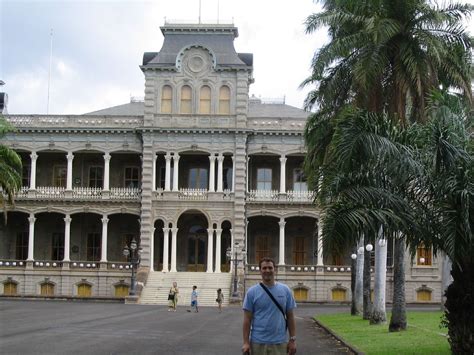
98,46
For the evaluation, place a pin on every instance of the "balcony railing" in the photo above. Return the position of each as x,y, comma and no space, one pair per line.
276,196
80,193
193,194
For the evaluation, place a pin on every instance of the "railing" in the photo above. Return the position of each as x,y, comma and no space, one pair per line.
276,196
125,193
74,121
193,194
51,192
304,268
87,193
13,263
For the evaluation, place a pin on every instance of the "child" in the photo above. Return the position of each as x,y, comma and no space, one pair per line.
194,300
219,299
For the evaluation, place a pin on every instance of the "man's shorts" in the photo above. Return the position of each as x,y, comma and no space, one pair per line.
268,349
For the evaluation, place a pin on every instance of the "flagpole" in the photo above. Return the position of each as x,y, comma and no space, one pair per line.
50,62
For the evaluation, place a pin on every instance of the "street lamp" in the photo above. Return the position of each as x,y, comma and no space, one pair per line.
235,292
133,253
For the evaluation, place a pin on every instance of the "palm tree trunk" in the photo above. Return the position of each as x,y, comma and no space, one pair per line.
367,309
379,314
398,321
459,305
353,282
359,282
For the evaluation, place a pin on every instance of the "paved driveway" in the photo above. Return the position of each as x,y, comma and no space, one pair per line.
60,327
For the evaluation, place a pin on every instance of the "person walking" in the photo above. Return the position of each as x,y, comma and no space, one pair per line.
194,299
173,297
219,299
268,313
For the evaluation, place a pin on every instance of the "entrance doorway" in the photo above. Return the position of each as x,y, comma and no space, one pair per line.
197,249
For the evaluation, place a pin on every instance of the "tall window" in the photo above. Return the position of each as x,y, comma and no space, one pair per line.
264,179
197,178
299,180
166,99
186,98
59,175
57,246
93,246
25,175
132,176
227,178
423,255
96,176
21,246
162,181
224,100
205,100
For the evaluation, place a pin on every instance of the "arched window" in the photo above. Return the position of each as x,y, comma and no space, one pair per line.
186,96
47,289
338,294
224,100
205,100
423,255
84,290
9,288
423,295
301,294
121,290
166,99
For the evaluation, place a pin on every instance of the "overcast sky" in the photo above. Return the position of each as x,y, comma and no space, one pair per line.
98,46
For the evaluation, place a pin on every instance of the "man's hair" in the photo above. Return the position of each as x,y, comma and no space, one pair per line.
266,259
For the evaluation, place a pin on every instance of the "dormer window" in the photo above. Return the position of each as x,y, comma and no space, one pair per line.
205,100
166,99
186,99
224,100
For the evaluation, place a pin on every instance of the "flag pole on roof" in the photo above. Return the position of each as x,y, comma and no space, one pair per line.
50,61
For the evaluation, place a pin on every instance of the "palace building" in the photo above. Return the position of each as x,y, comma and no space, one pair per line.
205,179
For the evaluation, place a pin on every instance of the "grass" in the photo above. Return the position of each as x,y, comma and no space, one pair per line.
423,336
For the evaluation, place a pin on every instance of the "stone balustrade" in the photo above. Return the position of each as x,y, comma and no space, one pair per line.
72,121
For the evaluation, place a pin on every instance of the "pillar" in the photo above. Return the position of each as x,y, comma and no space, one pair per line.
31,237
220,169
166,248
212,168
103,247
107,171
175,171
174,236
320,261
218,250
67,238
167,171
210,248
282,241
70,158
153,181
282,174
33,157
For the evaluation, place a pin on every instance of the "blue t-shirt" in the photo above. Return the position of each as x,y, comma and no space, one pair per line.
268,325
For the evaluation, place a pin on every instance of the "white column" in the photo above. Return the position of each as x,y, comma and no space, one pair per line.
282,241
320,244
103,247
153,182
31,237
67,238
282,174
107,171
33,157
175,171
152,250
70,158
218,250
233,173
174,236
167,171
166,247
220,170
232,246
210,248
212,168
247,174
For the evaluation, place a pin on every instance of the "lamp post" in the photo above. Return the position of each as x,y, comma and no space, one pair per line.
133,253
235,260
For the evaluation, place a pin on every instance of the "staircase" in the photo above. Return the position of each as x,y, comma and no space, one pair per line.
159,283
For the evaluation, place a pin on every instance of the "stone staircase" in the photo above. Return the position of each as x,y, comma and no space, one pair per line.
158,284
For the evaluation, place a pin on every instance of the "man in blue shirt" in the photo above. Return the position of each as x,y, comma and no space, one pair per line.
264,329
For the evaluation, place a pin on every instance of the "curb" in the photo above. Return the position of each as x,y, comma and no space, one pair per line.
338,338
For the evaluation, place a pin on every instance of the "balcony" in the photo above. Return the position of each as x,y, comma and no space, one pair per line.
80,193
192,195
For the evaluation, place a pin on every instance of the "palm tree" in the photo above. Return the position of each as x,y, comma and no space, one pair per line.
10,168
383,56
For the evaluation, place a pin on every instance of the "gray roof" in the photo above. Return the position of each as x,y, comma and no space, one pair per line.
256,110
218,39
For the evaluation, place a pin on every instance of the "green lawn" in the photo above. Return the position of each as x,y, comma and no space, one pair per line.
423,336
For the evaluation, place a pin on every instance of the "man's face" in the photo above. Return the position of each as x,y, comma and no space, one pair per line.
267,270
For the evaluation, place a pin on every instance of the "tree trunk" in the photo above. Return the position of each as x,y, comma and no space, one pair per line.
459,314
367,310
446,279
398,321
379,314
359,282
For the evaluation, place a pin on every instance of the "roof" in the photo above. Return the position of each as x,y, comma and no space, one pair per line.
256,110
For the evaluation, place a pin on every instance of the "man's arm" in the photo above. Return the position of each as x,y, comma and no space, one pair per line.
292,330
246,331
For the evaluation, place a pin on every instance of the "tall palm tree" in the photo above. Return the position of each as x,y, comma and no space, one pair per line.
10,168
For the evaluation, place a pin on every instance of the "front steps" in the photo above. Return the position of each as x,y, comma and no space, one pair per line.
158,285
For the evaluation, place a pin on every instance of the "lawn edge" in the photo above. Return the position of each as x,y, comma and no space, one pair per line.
330,332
